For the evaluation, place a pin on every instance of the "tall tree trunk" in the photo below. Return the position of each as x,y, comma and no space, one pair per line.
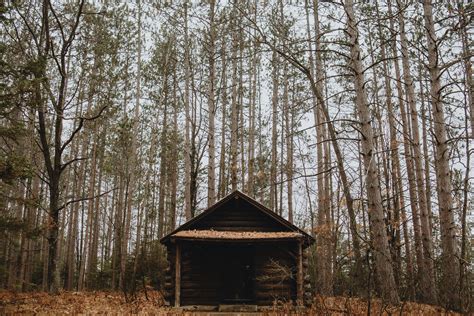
399,200
173,177
380,243
427,167
252,105
222,159
94,238
321,114
421,275
90,213
449,290
429,292
187,119
289,123
211,170
465,19
163,163
241,118
273,166
235,106
118,234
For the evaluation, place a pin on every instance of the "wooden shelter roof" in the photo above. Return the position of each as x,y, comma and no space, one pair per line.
235,235
286,229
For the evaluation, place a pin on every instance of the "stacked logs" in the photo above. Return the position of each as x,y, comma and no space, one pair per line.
307,292
168,288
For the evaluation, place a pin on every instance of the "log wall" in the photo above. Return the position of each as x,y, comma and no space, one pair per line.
203,269
238,215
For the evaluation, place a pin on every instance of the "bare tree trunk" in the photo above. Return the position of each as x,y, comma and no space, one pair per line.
174,153
421,276
321,229
398,199
222,159
90,214
163,163
273,167
187,144
281,164
211,170
118,235
449,290
328,210
424,124
380,243
321,103
289,121
465,281
94,238
464,285
241,117
430,293
235,107
73,222
44,257
252,105
467,42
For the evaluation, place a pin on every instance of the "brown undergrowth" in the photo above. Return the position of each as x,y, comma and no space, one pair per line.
74,303
343,305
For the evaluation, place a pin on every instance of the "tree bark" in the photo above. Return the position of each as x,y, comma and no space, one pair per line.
222,160
187,119
211,170
449,290
275,101
235,108
429,292
252,105
380,243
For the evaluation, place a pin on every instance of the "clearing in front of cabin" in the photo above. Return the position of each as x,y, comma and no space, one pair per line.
152,302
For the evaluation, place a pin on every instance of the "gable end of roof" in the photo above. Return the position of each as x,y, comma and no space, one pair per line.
236,195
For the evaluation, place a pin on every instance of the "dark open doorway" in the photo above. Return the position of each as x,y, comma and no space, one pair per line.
238,274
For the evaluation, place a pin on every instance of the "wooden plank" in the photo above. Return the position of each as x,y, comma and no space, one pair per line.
196,293
177,294
299,275
242,222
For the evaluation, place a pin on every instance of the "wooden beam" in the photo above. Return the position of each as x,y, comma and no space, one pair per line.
300,276
177,281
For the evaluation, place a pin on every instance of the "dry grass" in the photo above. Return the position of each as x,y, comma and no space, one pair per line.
114,303
78,303
358,306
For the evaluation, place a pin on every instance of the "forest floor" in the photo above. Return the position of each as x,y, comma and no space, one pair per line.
116,303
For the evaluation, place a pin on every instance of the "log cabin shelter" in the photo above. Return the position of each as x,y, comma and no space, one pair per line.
236,252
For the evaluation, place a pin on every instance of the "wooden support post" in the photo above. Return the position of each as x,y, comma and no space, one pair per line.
299,276
177,281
